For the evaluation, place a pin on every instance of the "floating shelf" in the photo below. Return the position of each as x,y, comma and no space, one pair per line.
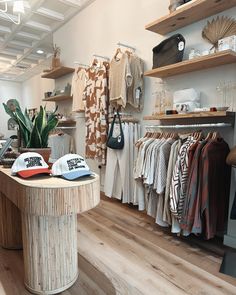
58,72
191,115
66,123
188,14
203,118
196,64
58,98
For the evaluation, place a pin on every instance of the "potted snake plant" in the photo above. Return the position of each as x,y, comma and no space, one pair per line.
33,133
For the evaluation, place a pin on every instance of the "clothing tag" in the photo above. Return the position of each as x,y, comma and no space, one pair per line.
181,46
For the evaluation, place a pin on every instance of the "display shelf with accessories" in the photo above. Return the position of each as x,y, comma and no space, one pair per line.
58,72
196,118
196,64
188,14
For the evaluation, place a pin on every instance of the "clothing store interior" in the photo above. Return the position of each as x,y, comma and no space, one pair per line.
117,147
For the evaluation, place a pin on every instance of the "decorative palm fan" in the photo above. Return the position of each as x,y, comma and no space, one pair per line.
219,28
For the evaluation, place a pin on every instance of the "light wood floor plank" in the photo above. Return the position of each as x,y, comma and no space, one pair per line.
122,251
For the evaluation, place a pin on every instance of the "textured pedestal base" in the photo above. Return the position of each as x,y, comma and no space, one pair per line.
10,224
50,252
49,208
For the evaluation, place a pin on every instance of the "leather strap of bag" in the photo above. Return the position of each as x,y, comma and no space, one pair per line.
117,115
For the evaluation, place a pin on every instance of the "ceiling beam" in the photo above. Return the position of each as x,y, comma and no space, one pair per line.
73,3
38,26
20,43
50,14
28,35
5,29
4,16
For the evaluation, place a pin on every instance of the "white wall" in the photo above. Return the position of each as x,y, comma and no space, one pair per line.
33,92
8,90
100,26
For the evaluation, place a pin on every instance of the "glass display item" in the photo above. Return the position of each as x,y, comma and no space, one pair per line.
227,95
162,97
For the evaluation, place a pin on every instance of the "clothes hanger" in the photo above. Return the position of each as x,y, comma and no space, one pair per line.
95,62
118,51
216,135
209,135
128,52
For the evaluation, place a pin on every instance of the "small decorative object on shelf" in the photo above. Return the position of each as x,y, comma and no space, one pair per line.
219,28
227,43
56,57
174,4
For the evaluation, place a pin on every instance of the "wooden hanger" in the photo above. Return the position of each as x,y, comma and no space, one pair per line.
216,135
118,51
209,135
95,62
128,52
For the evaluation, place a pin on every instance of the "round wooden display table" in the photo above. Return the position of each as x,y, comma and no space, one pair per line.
47,208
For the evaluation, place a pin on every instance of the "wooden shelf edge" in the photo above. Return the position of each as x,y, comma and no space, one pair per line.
67,122
57,98
196,64
58,72
219,114
188,14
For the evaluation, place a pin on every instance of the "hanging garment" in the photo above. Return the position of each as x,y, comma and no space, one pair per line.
172,160
96,112
188,172
135,92
179,179
191,205
214,188
119,80
119,178
60,145
77,89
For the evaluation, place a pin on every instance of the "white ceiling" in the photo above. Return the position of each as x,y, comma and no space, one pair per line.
18,43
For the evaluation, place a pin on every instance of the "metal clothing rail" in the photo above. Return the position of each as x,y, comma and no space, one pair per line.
81,64
101,56
68,127
125,45
215,125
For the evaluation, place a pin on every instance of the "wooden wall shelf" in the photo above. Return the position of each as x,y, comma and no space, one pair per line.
58,72
57,98
196,64
189,14
220,114
66,123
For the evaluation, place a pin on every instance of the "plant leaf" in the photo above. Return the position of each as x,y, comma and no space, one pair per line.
45,133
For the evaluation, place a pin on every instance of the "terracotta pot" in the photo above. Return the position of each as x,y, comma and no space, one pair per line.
56,62
44,152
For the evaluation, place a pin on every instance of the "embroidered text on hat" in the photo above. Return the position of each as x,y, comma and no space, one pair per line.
70,167
30,164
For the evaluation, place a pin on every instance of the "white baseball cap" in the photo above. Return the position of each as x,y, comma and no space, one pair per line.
70,167
29,164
